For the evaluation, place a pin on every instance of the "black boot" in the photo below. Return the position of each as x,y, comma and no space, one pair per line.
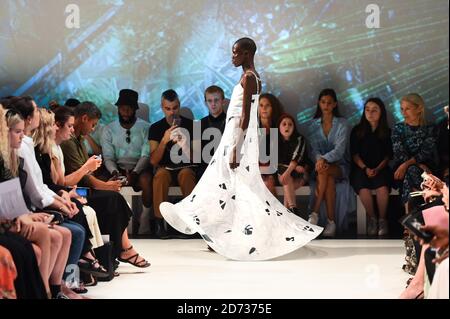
161,229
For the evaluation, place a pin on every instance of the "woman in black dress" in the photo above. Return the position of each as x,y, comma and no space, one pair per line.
371,150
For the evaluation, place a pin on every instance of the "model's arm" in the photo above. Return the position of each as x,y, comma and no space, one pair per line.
249,85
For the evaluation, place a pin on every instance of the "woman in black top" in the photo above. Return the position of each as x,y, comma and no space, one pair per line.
292,160
269,111
371,150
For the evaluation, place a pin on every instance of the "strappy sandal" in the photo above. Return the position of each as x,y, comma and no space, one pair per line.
90,268
133,260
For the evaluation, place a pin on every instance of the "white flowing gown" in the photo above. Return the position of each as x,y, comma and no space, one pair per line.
233,210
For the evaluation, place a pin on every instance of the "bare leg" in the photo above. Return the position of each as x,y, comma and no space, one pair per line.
321,186
269,181
416,286
41,238
330,197
289,193
61,258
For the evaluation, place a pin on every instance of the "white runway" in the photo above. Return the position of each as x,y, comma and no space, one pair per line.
185,269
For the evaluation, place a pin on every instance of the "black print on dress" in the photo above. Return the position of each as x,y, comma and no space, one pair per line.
268,211
213,161
268,204
289,238
222,204
248,168
233,197
228,231
279,213
248,230
206,238
308,228
192,199
252,250
196,220
223,186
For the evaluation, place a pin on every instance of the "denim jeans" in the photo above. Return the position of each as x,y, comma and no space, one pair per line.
76,246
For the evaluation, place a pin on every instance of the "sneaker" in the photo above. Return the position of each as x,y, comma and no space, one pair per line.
313,218
383,228
330,229
372,226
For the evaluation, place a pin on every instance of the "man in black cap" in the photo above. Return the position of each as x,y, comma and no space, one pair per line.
127,154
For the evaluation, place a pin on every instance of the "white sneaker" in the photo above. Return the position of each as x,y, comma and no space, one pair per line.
330,229
383,227
144,225
313,218
372,228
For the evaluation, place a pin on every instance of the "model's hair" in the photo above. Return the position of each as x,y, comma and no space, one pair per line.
416,100
169,95
62,115
247,44
41,135
277,107
327,92
89,109
363,127
214,89
295,133
13,117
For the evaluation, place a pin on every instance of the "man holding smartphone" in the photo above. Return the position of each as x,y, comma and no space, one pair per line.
170,142
126,152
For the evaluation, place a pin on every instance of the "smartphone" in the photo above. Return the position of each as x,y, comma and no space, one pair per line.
82,191
413,223
122,179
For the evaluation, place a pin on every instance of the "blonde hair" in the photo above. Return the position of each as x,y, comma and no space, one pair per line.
416,100
41,135
4,138
12,159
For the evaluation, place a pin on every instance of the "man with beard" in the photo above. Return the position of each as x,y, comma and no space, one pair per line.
127,154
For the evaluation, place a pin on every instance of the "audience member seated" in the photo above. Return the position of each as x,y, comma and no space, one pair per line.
431,279
50,245
113,212
44,140
414,146
126,152
371,150
293,162
442,145
170,142
269,113
328,135
211,126
41,197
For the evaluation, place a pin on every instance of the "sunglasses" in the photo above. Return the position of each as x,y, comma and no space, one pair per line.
128,138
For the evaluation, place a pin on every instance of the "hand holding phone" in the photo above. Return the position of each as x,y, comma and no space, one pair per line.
412,223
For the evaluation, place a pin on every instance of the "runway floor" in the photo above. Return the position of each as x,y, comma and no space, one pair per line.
324,269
